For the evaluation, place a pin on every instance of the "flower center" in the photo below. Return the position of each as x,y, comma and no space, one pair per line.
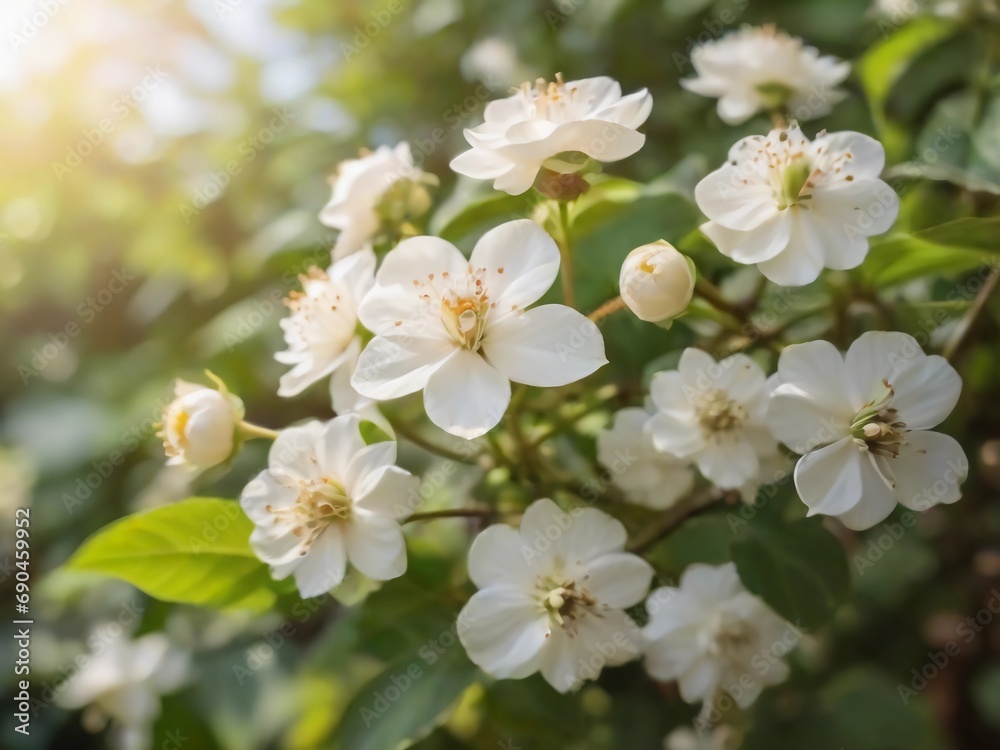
551,100
319,503
718,413
319,314
564,602
877,426
728,637
465,317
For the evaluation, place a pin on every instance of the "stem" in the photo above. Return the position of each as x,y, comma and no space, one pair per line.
961,331
439,450
252,431
608,308
711,294
778,119
451,513
566,255
671,519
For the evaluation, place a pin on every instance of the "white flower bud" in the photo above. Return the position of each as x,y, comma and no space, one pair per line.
199,425
657,282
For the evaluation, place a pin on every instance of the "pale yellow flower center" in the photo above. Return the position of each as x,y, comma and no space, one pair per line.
718,413
319,503
564,602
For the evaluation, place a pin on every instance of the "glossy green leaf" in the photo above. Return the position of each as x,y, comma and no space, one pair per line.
799,569
193,552
406,701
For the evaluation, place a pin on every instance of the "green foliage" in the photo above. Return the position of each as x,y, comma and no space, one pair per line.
193,552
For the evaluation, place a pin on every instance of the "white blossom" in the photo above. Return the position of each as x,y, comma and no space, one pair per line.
321,332
711,635
199,425
647,476
863,422
688,739
537,124
713,413
121,683
359,189
551,597
325,499
794,206
458,329
656,282
757,69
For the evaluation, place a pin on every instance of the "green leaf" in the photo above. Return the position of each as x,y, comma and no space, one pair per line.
371,433
799,569
950,248
885,63
406,701
480,214
196,551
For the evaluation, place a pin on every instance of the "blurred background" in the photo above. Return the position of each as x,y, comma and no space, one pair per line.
163,167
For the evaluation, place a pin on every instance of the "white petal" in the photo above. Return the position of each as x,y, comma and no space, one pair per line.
365,466
560,660
877,501
676,434
293,452
861,208
504,631
801,262
517,179
375,546
929,470
711,583
497,556
753,245
394,366
724,199
324,565
521,262
480,164
631,111
666,390
700,682
816,370
876,356
391,492
466,396
263,490
547,346
926,392
579,536
728,460
338,444
618,579
735,109
829,480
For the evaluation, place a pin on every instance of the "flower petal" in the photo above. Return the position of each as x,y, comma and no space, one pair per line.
324,565
389,491
375,546
293,452
546,346
801,262
466,396
338,444
504,631
829,480
929,470
394,366
521,262
876,356
497,556
877,501
926,392
724,198
619,579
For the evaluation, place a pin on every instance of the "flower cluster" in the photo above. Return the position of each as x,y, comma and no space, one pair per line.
399,313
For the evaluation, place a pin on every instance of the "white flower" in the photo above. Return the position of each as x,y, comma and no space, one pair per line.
551,597
863,422
540,122
647,476
713,414
327,498
711,635
794,207
358,190
656,282
458,329
756,69
122,682
321,332
687,739
199,425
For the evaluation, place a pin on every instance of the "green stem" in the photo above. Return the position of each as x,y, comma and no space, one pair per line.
431,447
711,294
566,254
252,431
451,513
966,324
672,518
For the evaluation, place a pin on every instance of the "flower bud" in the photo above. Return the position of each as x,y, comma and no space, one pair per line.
657,282
199,425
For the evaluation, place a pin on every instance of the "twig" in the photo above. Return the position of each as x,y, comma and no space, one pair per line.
672,518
